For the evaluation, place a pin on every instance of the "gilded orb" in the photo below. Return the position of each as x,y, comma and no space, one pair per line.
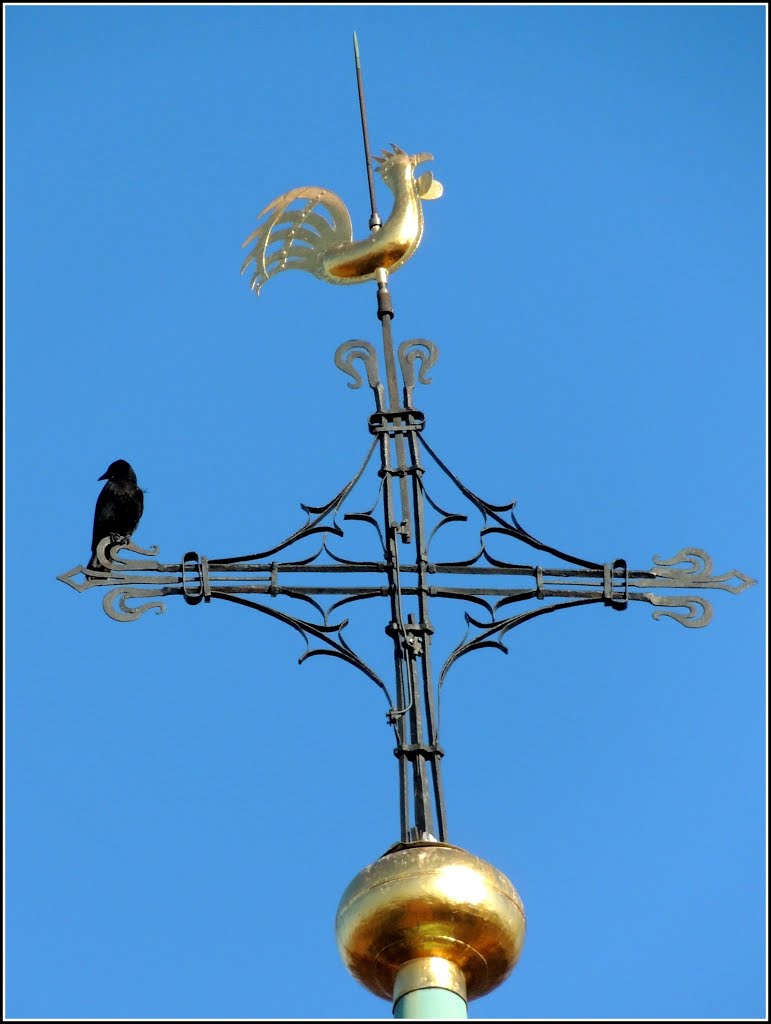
430,899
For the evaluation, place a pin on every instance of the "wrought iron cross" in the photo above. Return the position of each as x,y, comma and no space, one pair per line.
499,593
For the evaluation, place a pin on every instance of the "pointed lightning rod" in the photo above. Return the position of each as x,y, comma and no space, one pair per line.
374,221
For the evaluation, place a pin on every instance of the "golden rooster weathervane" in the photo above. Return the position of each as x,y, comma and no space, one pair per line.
296,236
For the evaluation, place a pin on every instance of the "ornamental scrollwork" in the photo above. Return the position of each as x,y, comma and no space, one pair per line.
419,350
353,350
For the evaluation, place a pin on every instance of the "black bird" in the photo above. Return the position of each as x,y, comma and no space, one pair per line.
118,508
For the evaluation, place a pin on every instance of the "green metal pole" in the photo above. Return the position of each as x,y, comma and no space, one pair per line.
430,988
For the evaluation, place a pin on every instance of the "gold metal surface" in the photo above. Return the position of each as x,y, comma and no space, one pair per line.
301,238
430,900
429,972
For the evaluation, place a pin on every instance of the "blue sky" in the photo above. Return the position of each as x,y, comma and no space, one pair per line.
184,803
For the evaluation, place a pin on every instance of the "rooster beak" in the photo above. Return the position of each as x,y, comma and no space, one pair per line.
420,158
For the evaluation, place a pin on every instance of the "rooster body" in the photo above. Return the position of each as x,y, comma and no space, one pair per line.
303,239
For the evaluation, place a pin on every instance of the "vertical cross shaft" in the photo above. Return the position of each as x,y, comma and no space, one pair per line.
415,717
385,313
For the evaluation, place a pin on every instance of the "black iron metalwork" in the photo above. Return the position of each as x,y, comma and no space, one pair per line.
308,567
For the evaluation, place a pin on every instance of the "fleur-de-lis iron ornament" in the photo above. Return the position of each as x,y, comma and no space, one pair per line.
501,592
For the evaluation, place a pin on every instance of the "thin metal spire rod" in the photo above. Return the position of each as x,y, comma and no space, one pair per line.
374,220
385,314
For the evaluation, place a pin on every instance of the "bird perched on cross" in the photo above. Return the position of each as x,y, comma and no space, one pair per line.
118,509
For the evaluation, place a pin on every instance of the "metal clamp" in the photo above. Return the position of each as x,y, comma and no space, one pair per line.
385,422
613,596
196,589
413,750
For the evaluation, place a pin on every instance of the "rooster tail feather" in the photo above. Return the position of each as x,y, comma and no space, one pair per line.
296,238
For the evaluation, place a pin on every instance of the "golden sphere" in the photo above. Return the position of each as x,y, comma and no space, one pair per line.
430,899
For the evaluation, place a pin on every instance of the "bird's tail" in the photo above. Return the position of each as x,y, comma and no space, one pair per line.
94,565
296,238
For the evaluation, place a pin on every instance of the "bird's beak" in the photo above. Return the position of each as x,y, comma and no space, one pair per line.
420,158
103,476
